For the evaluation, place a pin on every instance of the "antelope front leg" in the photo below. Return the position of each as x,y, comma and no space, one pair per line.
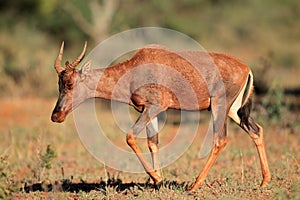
152,136
145,118
131,141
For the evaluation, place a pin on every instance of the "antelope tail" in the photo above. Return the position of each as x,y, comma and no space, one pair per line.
245,110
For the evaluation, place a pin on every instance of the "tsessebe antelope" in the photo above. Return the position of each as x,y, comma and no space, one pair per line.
220,83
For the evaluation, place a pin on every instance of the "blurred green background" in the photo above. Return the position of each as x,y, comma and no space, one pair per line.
264,34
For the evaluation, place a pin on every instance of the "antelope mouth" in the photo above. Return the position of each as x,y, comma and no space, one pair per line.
58,117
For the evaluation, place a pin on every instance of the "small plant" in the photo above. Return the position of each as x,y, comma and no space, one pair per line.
47,157
45,160
274,104
5,183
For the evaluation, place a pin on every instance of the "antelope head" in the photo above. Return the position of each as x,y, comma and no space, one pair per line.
72,87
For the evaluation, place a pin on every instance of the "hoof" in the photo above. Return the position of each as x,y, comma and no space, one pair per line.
193,189
266,179
157,186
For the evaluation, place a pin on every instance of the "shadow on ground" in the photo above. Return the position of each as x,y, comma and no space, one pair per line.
67,186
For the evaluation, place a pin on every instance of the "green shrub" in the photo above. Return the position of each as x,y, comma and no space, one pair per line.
5,182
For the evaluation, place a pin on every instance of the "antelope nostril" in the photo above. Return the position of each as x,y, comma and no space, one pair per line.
54,117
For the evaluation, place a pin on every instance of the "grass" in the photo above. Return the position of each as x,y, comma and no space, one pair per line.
28,136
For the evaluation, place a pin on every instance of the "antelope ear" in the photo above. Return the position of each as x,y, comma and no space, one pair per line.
86,67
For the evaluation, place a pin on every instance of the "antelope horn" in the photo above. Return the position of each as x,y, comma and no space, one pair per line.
79,59
57,64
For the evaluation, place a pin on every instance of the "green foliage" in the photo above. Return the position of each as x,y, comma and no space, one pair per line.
44,163
47,157
273,102
5,183
31,31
